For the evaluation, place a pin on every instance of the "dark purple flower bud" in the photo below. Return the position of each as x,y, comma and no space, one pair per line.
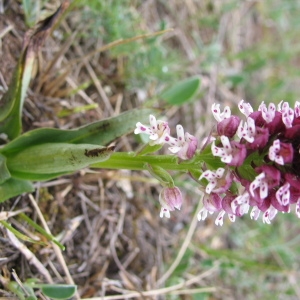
239,153
228,127
258,118
269,211
226,203
185,145
265,204
297,120
272,175
276,125
279,206
261,138
256,137
189,148
213,202
293,132
281,153
294,182
170,198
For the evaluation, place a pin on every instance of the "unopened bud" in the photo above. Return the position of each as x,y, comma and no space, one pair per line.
170,198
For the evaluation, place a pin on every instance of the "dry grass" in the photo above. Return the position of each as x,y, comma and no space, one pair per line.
116,244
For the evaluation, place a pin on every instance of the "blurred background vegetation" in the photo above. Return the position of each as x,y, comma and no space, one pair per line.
240,50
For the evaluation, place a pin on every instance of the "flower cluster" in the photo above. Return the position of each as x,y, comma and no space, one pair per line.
258,162
261,153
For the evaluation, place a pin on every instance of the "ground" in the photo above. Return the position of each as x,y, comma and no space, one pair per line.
109,220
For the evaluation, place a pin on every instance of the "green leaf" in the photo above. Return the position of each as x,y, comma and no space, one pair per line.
236,79
246,170
182,92
58,291
160,174
8,99
4,173
149,149
52,158
19,234
41,230
195,173
206,157
13,100
99,133
201,296
16,289
14,187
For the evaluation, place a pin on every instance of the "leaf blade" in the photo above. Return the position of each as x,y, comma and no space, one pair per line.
4,173
99,133
52,158
14,187
58,291
182,92
13,100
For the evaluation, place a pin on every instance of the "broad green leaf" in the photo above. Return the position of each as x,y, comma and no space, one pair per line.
182,92
14,187
58,291
53,158
4,173
39,177
99,133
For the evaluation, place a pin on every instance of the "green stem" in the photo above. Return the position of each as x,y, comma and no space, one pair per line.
41,230
129,161
123,160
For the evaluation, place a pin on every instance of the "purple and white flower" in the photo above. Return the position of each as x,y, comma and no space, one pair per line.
158,131
185,145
